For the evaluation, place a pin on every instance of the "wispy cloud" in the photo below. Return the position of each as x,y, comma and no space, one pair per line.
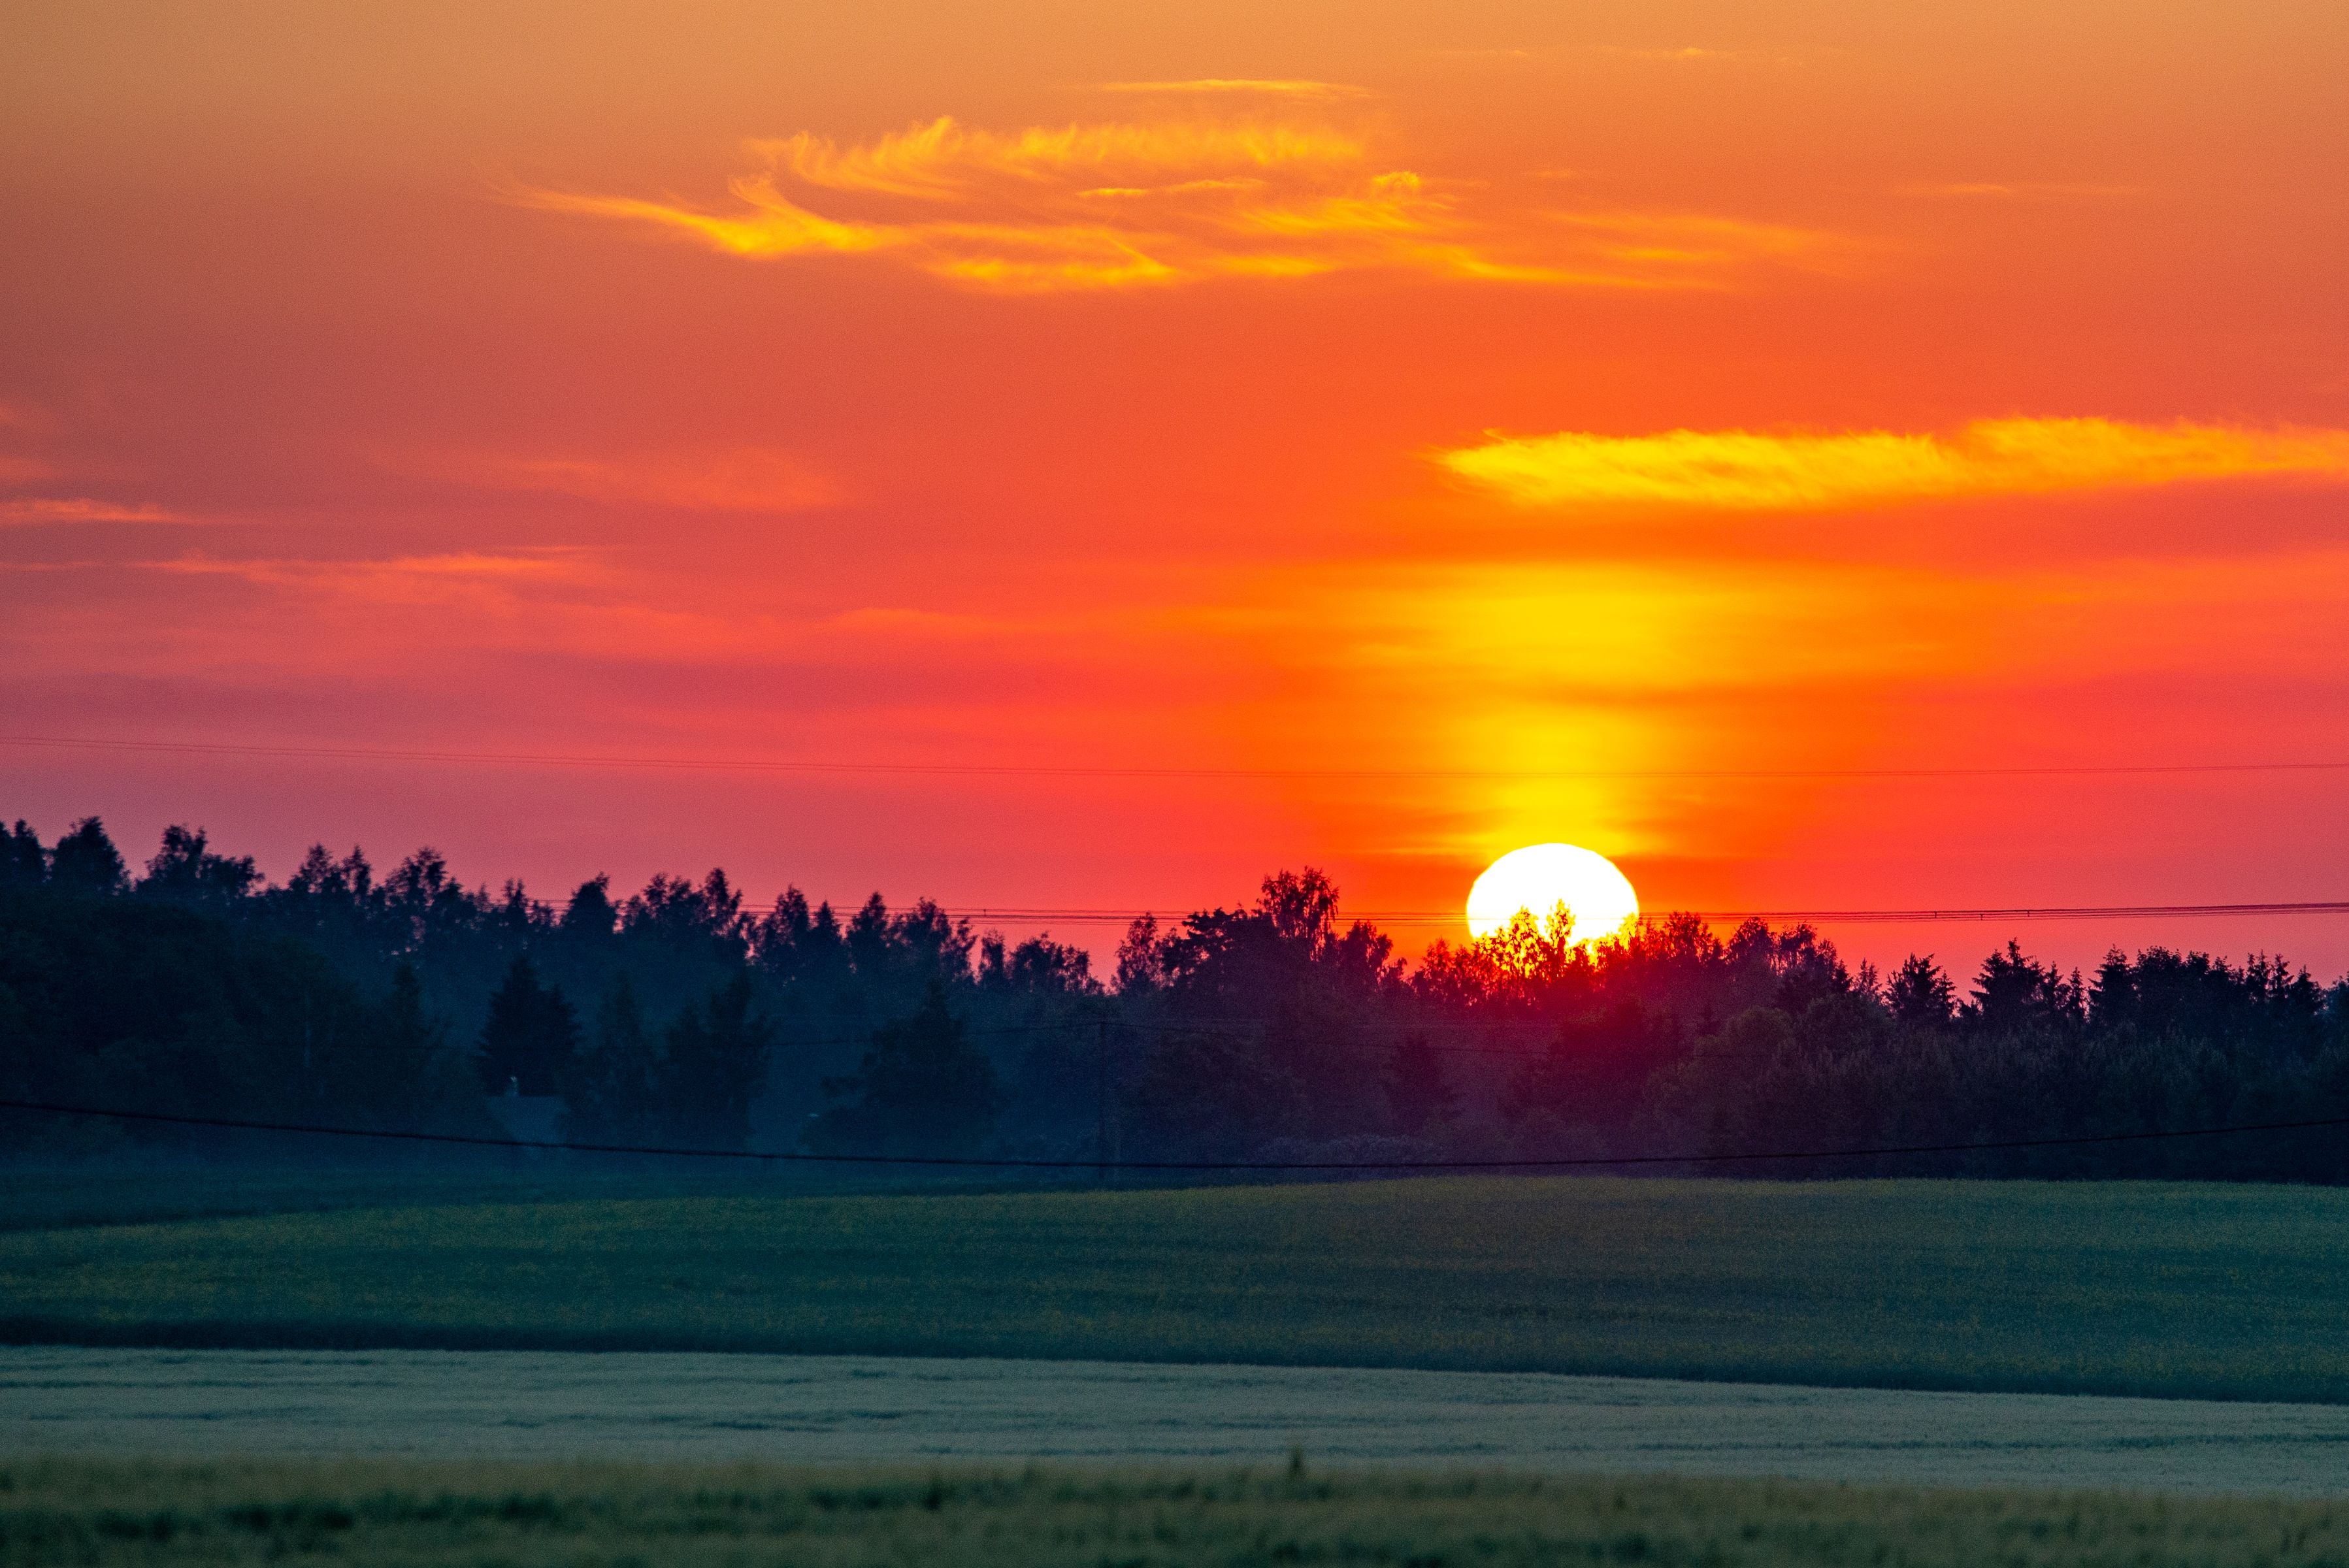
564,601
1699,240
80,509
926,624
945,159
406,578
740,479
1684,52
1745,471
1225,87
2016,191
1123,204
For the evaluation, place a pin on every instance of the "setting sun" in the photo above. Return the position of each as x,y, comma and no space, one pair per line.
1539,878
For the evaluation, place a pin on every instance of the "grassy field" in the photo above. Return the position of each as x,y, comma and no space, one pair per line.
2227,1292
99,1515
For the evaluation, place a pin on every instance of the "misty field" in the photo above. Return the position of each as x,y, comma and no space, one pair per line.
98,1514
2210,1291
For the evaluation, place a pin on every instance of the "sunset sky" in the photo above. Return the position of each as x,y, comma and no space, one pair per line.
1241,435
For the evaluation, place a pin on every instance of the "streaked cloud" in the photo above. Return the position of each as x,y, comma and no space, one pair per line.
1698,239
2016,190
1221,87
740,479
27,510
1686,52
944,158
396,578
1748,470
1121,204
928,625
558,602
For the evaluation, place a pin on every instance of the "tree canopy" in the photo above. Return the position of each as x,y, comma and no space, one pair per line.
681,1014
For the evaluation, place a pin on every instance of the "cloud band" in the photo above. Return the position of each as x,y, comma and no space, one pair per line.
1747,471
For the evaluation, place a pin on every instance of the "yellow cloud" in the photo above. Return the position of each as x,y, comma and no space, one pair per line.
1743,471
774,226
1121,204
944,158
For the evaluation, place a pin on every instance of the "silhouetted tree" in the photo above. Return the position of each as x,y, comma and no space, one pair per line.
590,916
1597,1066
793,943
519,916
1141,958
86,861
531,1036
1203,1094
716,1065
1038,965
1419,1092
185,869
1807,967
613,1092
350,881
1919,996
921,1089
23,862
336,994
2015,993
703,923
403,1067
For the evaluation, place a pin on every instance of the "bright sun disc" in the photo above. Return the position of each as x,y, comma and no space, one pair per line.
1540,877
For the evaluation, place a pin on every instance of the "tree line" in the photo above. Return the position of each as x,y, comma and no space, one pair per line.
678,1016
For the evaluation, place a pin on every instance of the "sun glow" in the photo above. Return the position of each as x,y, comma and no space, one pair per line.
1539,878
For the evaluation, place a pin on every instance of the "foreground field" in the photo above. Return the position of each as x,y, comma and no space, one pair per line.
2225,1292
560,1406
99,1515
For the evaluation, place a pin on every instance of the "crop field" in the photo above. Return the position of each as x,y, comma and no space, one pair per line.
2209,1291
560,1406
99,1514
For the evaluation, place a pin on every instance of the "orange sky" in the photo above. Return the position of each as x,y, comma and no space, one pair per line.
1286,390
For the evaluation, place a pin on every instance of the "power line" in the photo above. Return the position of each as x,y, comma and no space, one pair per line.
1083,771
976,1162
1978,915
1541,1031
1031,916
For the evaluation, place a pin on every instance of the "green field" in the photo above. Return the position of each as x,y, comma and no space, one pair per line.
96,1515
2238,1292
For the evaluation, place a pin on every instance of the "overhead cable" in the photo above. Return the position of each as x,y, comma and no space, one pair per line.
1233,1166
1101,770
